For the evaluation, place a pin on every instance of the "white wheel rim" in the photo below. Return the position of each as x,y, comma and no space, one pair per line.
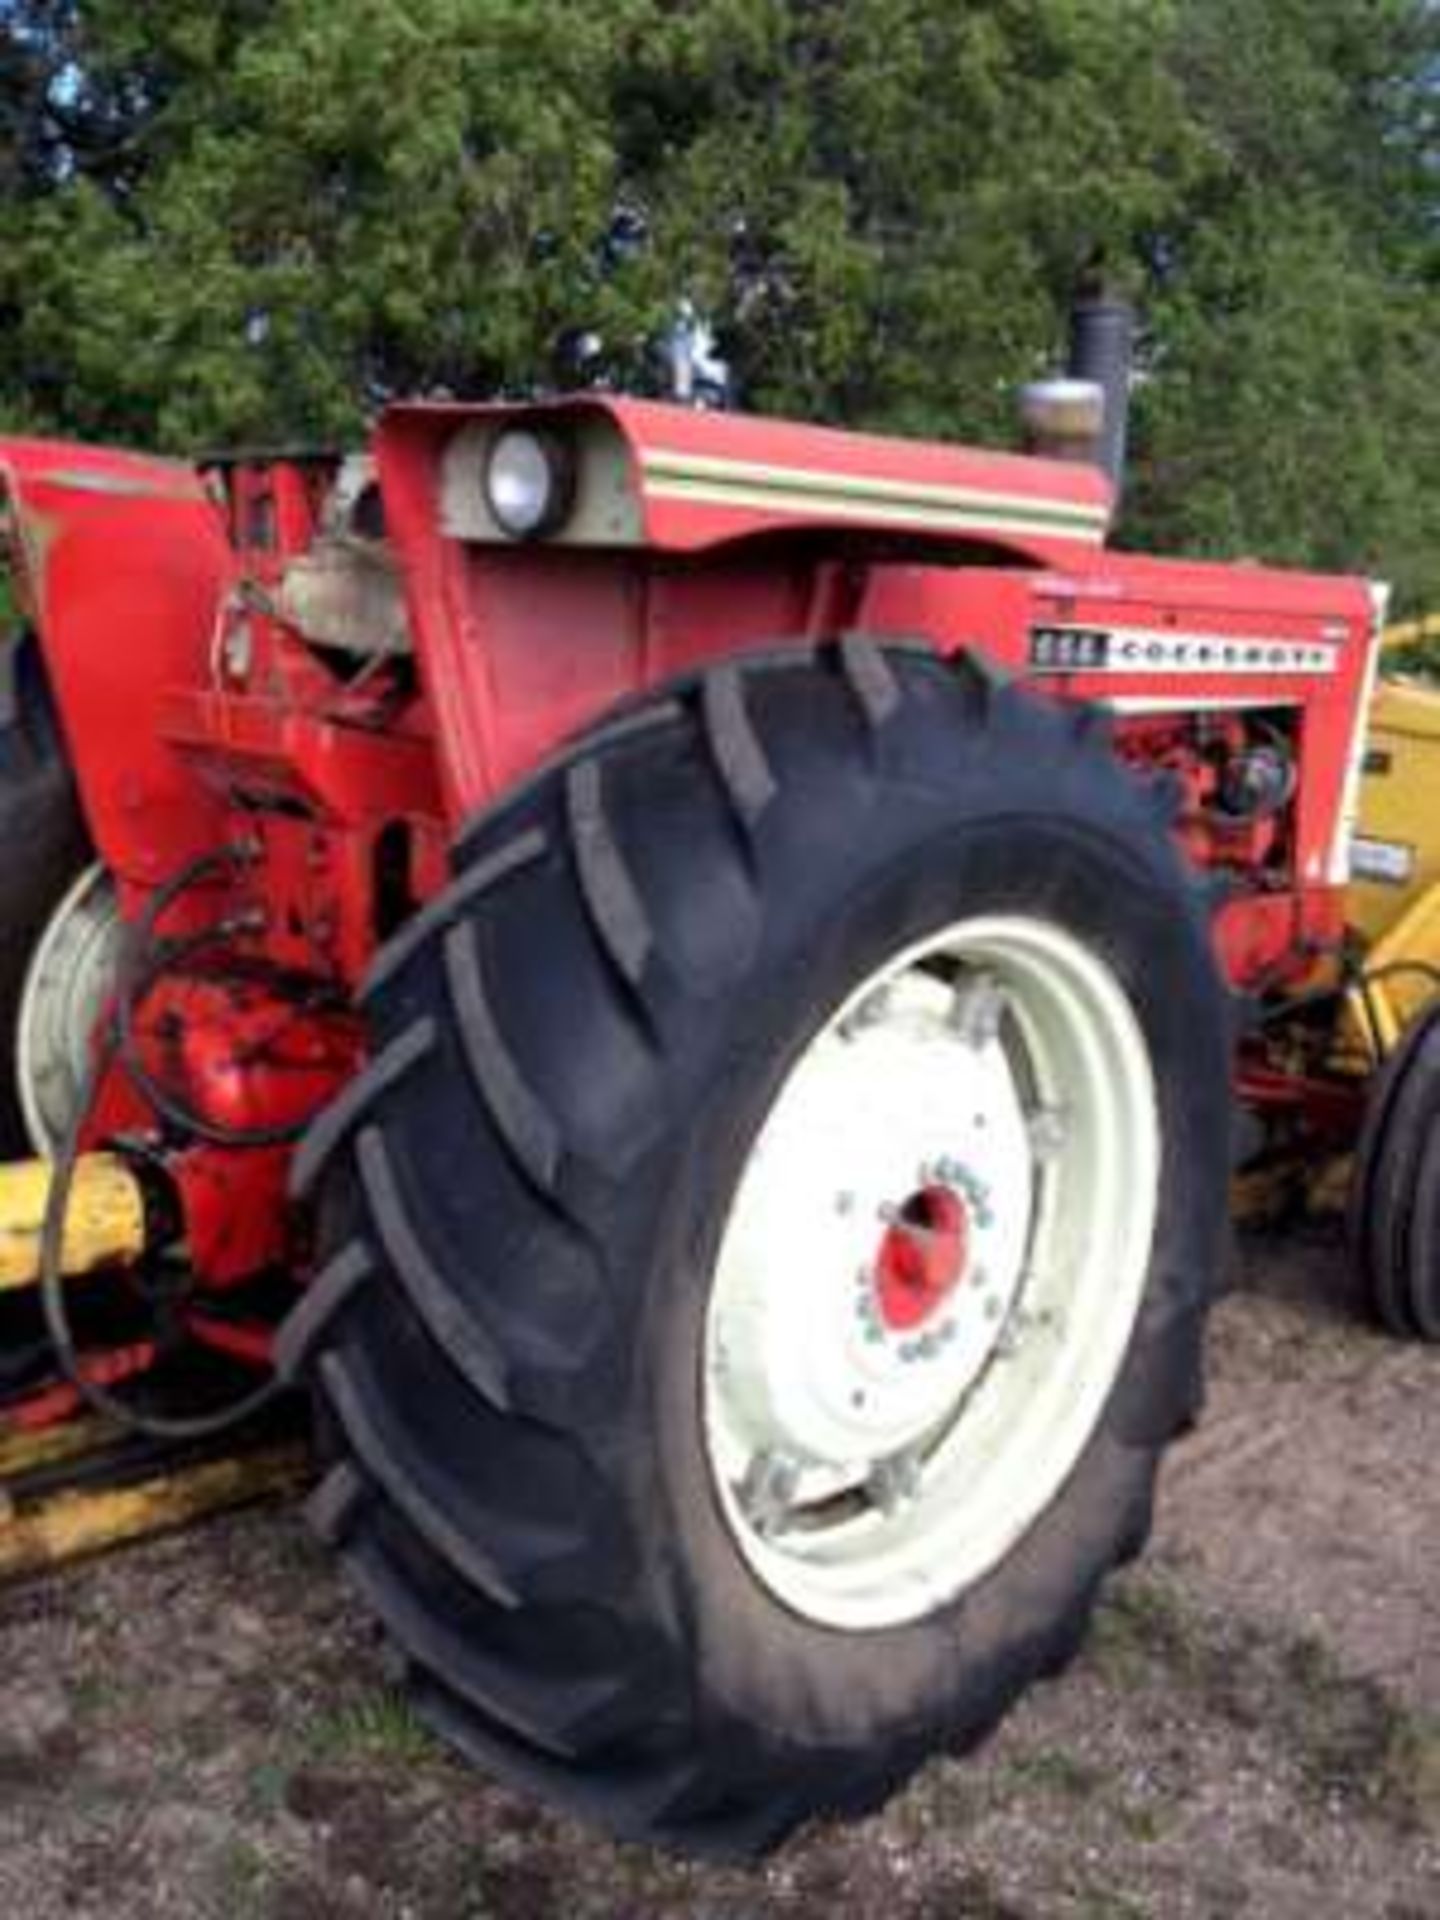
70,977
873,1466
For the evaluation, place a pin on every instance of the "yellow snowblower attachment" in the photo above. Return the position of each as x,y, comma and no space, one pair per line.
1395,894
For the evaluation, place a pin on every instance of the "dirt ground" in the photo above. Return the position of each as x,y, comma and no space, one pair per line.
202,1727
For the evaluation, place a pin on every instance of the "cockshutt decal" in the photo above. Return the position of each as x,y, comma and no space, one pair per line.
1140,650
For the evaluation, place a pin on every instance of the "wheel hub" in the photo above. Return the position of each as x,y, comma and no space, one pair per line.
922,1257
959,1169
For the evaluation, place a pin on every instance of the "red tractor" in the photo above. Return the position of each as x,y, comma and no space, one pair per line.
681,973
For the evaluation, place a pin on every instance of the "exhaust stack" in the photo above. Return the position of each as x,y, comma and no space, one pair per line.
1102,350
1084,413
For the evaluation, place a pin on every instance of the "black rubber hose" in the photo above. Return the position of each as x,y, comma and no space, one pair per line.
131,992
57,1318
52,1236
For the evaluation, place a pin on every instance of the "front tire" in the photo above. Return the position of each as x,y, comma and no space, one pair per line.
524,1204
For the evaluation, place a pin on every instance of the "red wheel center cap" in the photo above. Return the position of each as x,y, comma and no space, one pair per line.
922,1257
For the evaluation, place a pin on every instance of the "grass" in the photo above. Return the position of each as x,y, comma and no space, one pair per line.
94,1693
1347,1735
1052,1770
380,1725
243,1881
1103,1903
267,1786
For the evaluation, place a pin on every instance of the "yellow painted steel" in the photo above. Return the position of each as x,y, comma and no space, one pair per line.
1398,922
22,1452
66,1525
1406,633
105,1221
1400,801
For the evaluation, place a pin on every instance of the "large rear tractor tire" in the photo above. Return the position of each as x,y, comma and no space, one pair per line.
56,909
768,1250
1394,1209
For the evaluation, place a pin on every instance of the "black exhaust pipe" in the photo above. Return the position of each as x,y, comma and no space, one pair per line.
1102,349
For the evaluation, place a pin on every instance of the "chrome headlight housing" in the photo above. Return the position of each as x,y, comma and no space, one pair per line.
529,481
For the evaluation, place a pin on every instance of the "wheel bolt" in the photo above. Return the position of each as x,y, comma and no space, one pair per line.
768,1489
894,1482
870,1010
977,1010
1048,1131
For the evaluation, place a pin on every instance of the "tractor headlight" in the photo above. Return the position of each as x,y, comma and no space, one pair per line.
529,482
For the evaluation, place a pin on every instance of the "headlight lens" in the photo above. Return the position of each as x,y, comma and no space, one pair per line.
529,482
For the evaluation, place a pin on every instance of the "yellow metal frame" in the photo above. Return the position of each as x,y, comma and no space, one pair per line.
105,1220
63,1525
105,1225
1399,805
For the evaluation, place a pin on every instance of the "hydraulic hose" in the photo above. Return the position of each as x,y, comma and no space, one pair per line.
147,962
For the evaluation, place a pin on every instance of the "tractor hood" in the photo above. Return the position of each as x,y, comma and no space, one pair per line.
637,473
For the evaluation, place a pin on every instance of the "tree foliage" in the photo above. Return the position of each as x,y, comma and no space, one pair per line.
258,219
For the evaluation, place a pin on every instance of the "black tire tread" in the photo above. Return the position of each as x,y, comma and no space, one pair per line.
870,679
554,1713
442,912
327,1295
610,894
529,1131
1402,1114
356,1100
385,1458
735,746
454,1328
